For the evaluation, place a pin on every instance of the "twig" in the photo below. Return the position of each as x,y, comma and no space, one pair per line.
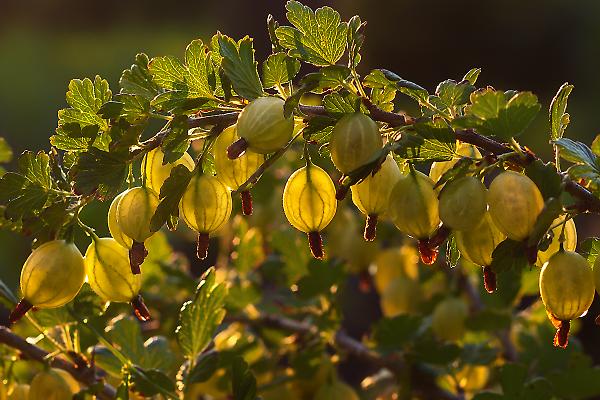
86,375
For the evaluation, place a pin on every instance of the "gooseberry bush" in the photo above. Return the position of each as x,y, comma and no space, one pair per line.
465,282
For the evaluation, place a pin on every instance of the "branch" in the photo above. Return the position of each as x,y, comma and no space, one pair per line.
84,374
425,383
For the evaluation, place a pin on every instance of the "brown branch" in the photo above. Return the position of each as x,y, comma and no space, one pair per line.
425,383
84,374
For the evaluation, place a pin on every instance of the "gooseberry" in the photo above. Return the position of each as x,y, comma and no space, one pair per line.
336,390
402,296
51,277
463,203
570,242
113,226
205,207
393,263
567,290
156,172
262,127
354,141
234,173
309,203
371,196
438,168
448,319
53,384
19,392
514,204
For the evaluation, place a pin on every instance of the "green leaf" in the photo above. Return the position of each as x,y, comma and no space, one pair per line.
338,104
290,246
452,93
86,98
240,67
318,37
279,69
472,75
355,40
452,252
433,140
101,171
508,255
408,88
559,118
577,152
200,317
26,191
205,367
126,335
171,193
6,153
552,209
319,279
546,178
590,249
243,381
495,113
392,334
137,80
152,382
577,383
489,319
512,379
136,108
176,141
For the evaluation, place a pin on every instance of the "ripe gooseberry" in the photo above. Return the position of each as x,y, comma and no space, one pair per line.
156,172
371,196
19,392
402,296
448,319
134,211
109,275
234,173
514,204
463,203
113,226
570,242
393,263
336,390
205,207
477,246
262,127
51,277
567,290
309,204
354,141
53,384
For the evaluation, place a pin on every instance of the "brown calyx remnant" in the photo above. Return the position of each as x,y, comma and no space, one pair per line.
315,241
202,245
137,255
237,148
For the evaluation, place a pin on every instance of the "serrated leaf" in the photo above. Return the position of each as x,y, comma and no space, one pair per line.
318,37
102,171
508,255
278,69
489,319
240,67
432,140
6,153
135,108
151,382
200,317
408,88
576,152
546,178
205,366
472,75
319,280
392,334
126,335
338,104
86,98
355,40
176,142
559,119
452,93
170,195
590,249
319,128
137,80
495,113
243,381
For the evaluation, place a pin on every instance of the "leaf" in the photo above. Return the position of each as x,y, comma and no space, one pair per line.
249,247
577,383
472,75
278,69
338,104
489,319
137,80
26,191
135,109
452,252
559,119
205,366
101,171
6,153
576,152
552,209
433,140
171,193
86,98
320,280
126,335
508,255
151,382
590,249
408,88
318,37
546,178
453,94
200,317
240,67
392,334
494,113
355,40
243,381
176,142
512,379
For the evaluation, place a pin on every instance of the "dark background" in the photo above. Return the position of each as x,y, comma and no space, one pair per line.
527,45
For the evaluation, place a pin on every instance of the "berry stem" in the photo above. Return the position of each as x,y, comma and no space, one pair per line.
371,227
237,148
489,279
139,308
202,245
19,311
246,202
137,255
315,241
561,339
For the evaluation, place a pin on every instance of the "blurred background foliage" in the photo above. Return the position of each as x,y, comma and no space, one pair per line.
531,45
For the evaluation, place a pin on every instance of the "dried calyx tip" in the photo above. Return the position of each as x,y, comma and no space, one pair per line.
315,241
246,202
341,192
561,339
371,228
202,246
237,148
137,255
489,279
428,255
139,308
19,311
